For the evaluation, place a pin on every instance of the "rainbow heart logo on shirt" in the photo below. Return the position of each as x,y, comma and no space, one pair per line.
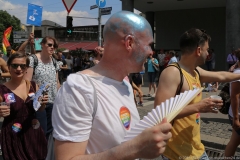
125,117
198,118
16,127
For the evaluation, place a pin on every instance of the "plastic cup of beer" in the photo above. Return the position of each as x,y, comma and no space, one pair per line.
215,97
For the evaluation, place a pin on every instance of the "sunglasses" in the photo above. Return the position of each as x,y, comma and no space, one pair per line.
50,45
15,66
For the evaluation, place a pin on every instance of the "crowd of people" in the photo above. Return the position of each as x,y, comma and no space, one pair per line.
88,115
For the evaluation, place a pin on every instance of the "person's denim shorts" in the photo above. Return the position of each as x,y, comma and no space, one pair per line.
151,77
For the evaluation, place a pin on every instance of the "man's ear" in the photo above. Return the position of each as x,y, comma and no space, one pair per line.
198,51
129,42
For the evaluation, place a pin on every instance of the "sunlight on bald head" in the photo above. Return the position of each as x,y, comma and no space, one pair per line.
125,23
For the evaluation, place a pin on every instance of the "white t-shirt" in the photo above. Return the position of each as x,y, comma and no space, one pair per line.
73,109
173,60
69,63
237,71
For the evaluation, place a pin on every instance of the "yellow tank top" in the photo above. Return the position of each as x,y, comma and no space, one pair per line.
186,142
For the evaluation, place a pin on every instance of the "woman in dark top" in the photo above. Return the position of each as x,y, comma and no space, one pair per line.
21,137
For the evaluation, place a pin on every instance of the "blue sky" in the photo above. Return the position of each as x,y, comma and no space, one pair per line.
54,10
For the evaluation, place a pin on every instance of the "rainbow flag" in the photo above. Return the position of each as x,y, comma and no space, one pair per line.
7,32
5,42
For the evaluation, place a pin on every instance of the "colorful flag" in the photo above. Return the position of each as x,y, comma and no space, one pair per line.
5,42
7,32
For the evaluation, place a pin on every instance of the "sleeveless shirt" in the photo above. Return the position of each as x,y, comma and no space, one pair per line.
186,142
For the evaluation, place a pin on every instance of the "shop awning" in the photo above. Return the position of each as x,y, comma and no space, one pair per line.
75,45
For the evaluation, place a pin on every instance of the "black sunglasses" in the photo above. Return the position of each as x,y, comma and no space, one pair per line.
15,66
50,44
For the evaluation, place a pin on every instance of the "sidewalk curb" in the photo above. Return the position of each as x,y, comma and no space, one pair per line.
216,143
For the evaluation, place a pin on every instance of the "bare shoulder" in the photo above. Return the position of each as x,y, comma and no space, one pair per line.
168,83
2,62
170,74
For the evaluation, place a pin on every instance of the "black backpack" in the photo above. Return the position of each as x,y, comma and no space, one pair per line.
225,94
35,62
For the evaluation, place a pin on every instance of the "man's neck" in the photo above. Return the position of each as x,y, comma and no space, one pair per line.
188,64
109,70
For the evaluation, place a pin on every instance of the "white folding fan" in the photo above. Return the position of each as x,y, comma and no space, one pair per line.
169,109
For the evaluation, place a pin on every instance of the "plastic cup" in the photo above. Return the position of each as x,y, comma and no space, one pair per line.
215,97
5,104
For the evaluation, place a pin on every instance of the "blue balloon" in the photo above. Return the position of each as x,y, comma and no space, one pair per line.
101,3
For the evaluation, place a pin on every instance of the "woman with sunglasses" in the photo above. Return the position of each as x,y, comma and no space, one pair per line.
21,137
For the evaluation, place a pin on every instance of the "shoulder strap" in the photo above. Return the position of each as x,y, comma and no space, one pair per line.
197,72
35,62
95,104
54,62
33,85
181,76
178,91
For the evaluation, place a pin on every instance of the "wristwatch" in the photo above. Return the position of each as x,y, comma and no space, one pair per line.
0,74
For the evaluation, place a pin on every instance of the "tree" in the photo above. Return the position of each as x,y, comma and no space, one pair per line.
6,20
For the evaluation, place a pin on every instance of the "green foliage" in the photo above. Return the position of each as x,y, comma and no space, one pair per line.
61,49
78,52
6,20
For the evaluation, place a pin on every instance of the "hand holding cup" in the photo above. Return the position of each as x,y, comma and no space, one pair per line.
217,98
4,109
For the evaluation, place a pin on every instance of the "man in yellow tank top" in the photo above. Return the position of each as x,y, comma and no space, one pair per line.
186,142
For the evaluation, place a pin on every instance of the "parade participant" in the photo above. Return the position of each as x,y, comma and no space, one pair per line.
21,135
234,112
43,68
4,72
186,142
95,108
29,41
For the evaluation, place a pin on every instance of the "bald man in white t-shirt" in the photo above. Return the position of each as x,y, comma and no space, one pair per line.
95,108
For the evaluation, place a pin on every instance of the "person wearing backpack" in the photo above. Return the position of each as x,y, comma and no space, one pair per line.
184,76
234,112
43,69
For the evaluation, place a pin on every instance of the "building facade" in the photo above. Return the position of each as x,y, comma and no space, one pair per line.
170,18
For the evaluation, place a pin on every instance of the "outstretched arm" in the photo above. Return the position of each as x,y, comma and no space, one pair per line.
24,45
167,87
4,67
222,76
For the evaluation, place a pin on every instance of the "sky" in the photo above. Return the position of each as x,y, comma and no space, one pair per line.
55,11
